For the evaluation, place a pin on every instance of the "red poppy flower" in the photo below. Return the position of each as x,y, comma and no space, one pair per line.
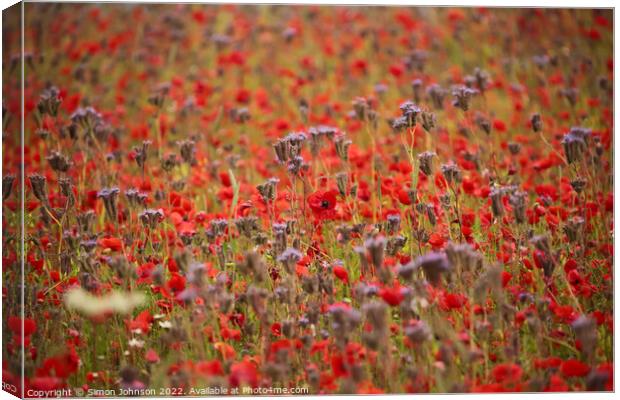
323,203
574,368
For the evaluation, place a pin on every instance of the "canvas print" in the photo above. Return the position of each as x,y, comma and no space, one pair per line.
226,199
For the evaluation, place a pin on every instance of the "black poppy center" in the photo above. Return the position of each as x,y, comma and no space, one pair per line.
325,204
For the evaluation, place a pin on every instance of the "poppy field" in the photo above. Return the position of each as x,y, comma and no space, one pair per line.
244,199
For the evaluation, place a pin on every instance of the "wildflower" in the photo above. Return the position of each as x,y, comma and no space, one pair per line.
537,123
150,218
115,302
188,151
39,188
574,146
376,247
140,153
109,195
289,258
497,206
323,203
58,161
483,123
49,101
434,266
426,162
586,332
342,147
574,228
428,121
418,332
451,172
462,97
267,190
517,201
437,95
7,186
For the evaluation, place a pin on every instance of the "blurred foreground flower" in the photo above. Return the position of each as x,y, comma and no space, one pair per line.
115,302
